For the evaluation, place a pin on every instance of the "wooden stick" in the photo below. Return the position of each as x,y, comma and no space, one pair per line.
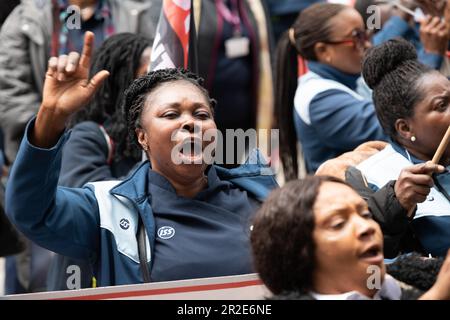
442,147
437,157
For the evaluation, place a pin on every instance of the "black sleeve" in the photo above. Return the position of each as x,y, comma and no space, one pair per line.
11,241
386,210
85,156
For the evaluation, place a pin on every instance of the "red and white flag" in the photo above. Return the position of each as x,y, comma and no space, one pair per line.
174,44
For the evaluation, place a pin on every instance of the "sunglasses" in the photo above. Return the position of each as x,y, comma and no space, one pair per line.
358,39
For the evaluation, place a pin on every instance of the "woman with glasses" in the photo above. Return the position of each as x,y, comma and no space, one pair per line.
321,108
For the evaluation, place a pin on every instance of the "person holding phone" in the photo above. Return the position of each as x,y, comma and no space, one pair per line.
428,32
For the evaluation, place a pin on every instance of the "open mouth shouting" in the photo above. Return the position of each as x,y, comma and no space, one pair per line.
189,151
372,254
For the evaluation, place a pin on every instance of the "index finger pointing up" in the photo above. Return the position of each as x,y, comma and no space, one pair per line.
88,46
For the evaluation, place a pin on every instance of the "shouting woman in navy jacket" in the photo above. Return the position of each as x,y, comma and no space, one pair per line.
166,221
98,148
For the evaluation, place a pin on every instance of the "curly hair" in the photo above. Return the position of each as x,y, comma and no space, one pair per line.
393,72
282,236
121,55
136,94
416,270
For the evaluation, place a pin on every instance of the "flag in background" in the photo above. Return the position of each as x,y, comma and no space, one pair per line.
175,41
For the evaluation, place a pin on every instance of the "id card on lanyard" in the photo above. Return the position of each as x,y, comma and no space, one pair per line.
239,45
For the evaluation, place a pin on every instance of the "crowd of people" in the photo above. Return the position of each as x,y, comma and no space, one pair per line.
104,160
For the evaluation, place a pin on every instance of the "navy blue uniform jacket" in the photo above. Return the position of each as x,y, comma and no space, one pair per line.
68,220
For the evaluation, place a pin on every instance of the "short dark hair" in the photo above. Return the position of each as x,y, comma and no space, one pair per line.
282,237
138,91
392,70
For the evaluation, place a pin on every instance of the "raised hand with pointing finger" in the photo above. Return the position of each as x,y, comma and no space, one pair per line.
67,89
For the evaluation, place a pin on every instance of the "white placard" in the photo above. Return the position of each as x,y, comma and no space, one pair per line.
243,287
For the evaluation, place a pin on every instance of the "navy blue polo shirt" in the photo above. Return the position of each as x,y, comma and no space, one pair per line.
207,236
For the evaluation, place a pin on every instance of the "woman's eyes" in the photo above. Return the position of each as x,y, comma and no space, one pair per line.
337,224
170,115
367,214
203,115
442,105
199,115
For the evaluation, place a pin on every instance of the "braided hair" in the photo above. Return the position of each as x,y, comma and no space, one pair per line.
312,26
137,93
121,55
393,72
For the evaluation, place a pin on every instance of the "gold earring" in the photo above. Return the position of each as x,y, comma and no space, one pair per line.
291,36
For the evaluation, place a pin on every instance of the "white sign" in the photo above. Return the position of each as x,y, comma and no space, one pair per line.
243,287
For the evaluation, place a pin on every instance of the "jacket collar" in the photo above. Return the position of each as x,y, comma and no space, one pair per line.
255,165
213,181
331,73
402,150
134,187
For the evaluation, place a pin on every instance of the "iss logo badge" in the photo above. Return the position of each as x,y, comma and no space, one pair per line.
166,232
124,224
